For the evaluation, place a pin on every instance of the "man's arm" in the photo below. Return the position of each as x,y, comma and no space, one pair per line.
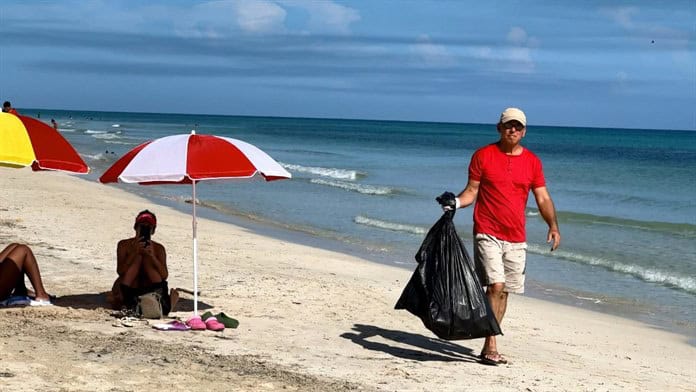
468,195
548,212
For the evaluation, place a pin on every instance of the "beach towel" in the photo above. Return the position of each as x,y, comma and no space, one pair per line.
444,290
15,300
23,300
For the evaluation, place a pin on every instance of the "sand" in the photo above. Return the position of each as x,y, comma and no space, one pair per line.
310,319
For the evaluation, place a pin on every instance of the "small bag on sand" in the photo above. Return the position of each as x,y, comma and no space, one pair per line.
150,305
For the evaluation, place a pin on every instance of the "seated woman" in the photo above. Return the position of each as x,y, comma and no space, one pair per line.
141,265
17,260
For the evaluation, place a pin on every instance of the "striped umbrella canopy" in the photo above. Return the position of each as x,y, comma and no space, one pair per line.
25,141
188,159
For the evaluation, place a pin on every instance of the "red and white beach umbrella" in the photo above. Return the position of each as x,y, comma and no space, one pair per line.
25,141
188,159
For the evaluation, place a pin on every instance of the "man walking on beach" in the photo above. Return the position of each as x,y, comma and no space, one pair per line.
500,178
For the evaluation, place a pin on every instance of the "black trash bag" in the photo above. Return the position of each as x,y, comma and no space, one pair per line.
445,291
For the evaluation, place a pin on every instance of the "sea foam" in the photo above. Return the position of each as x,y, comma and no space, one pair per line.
340,174
95,157
106,136
355,187
363,220
647,274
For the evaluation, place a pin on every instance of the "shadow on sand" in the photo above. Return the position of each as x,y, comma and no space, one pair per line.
423,348
98,301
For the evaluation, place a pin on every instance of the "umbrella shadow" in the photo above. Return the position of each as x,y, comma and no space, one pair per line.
422,348
93,301
186,305
88,301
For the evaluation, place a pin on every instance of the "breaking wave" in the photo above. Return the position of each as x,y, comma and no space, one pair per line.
380,224
340,174
355,187
647,274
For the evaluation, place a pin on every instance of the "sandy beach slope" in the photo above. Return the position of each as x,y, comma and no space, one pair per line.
311,320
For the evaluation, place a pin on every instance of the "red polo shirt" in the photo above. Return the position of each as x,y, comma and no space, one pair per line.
502,197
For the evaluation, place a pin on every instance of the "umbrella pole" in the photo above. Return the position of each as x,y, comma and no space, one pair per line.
195,254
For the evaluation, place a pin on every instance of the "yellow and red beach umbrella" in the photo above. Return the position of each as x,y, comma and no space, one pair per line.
25,141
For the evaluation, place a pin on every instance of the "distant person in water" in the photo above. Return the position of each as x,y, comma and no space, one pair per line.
7,108
141,265
55,124
16,261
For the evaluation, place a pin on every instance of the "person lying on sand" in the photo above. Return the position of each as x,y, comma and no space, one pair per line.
17,260
141,265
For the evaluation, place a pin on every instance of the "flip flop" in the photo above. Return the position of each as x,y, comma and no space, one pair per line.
213,324
196,323
492,358
128,321
40,302
174,325
226,320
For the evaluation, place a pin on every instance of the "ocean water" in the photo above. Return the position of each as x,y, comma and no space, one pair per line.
625,198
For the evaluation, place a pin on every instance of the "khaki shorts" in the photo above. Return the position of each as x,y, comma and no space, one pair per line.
502,262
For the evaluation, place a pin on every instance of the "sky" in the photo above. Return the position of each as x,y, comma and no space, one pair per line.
590,63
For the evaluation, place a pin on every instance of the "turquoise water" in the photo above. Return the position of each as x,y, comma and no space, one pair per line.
624,197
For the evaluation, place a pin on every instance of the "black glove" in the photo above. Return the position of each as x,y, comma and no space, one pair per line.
447,200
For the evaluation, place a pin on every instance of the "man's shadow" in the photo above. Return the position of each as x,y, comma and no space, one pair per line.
93,301
424,348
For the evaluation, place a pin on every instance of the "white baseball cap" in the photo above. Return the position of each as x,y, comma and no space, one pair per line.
510,114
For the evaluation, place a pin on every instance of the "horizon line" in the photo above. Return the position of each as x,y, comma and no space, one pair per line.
353,119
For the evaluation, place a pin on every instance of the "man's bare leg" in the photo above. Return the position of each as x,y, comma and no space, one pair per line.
498,300
150,272
130,278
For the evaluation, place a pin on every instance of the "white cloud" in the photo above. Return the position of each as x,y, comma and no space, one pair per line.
209,20
326,16
483,52
622,15
431,54
514,57
517,35
223,17
520,54
259,16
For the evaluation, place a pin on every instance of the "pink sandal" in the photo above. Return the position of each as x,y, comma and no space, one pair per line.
174,325
196,323
213,324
